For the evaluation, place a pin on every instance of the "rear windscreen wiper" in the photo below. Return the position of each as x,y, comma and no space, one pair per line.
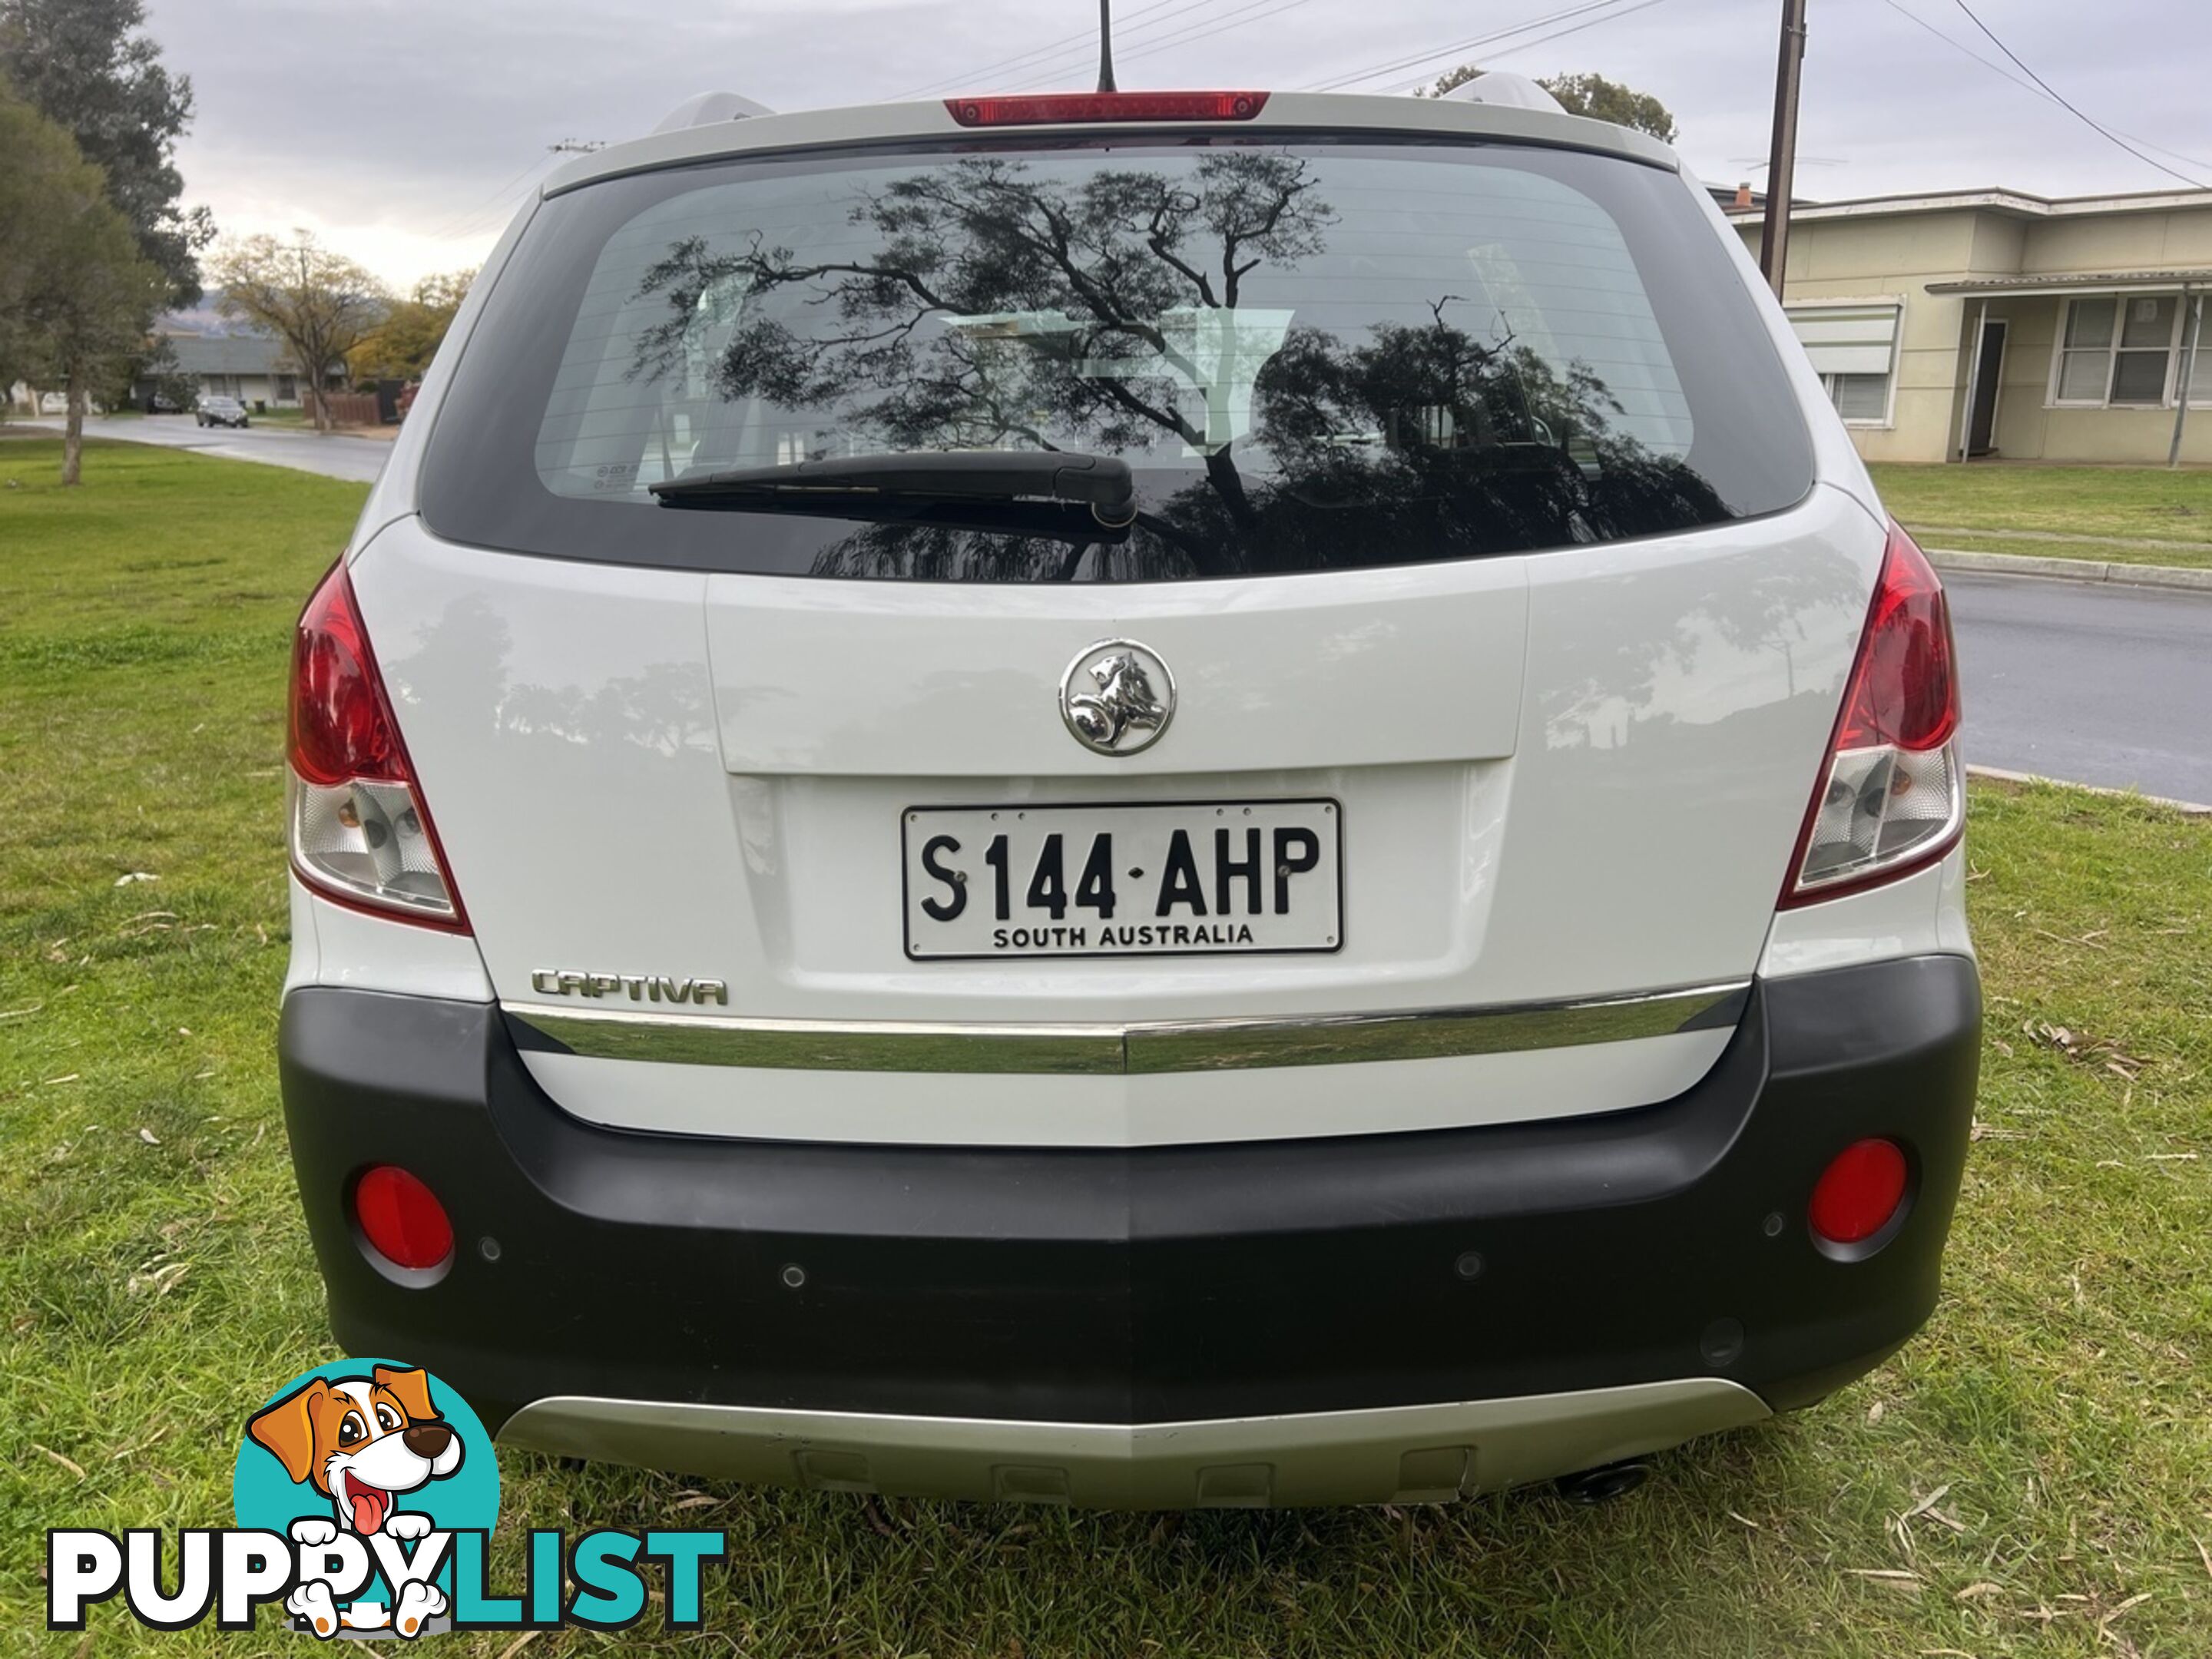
1101,483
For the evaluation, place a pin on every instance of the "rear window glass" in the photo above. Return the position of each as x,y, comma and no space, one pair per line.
1312,355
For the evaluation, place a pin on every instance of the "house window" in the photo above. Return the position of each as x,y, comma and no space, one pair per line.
288,389
1858,397
2120,351
1854,350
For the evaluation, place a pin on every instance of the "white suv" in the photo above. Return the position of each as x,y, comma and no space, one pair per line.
1137,798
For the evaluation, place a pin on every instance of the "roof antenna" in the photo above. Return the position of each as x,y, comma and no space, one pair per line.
1106,46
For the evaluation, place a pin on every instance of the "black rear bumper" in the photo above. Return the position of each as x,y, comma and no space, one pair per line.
1150,1286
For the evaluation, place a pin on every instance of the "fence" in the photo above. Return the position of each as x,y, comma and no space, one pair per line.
352,408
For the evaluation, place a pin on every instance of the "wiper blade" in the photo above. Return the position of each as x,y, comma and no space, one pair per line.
1101,483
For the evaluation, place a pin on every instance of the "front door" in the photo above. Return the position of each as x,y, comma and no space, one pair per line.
1989,373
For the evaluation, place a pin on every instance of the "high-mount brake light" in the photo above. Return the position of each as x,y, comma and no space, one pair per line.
1890,798
360,832
1062,108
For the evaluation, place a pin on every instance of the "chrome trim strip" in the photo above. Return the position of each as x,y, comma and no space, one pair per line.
1405,1454
1142,1048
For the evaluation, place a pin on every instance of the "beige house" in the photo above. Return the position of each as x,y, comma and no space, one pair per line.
1996,324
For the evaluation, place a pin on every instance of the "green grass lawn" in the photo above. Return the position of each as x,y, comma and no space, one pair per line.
2030,1476
2108,504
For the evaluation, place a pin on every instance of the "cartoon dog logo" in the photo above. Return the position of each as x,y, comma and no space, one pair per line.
361,1443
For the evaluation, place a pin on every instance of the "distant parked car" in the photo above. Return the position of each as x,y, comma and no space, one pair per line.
220,411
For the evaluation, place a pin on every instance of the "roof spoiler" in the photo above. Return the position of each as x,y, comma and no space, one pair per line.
1498,87
709,107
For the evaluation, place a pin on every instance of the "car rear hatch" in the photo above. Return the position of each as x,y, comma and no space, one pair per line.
1428,750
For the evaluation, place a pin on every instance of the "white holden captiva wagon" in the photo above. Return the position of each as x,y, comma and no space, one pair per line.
1167,800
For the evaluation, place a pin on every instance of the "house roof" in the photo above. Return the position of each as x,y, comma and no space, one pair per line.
2100,281
2013,204
230,354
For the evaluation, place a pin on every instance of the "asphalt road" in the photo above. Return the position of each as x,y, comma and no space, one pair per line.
2094,682
333,455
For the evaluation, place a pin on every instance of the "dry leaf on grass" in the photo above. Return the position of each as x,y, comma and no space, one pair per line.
1905,1583
2080,1046
2134,1600
54,1456
1927,1502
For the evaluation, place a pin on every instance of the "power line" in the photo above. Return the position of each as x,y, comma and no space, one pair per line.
1476,43
1182,32
966,77
1524,46
1428,55
2021,81
447,231
1231,21
1033,61
2060,99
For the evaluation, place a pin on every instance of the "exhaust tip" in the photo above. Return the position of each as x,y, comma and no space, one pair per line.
1591,1487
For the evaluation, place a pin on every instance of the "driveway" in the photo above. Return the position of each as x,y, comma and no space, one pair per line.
332,454
2095,682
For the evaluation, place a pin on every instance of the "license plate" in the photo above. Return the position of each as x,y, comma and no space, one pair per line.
1239,878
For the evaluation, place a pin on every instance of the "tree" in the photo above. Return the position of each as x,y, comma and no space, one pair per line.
73,292
157,368
86,66
412,331
1608,100
1584,95
320,304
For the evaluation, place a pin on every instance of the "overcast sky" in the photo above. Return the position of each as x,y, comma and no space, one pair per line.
407,133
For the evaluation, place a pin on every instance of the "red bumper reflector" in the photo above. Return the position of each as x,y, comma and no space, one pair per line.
402,1219
1045,109
1858,1192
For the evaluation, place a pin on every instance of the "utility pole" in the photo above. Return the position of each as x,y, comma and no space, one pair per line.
1782,156
1106,46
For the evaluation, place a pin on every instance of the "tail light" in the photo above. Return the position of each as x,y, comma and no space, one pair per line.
1061,108
1859,1191
1892,797
360,832
402,1219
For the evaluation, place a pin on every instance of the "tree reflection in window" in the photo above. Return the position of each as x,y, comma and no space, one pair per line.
1000,306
